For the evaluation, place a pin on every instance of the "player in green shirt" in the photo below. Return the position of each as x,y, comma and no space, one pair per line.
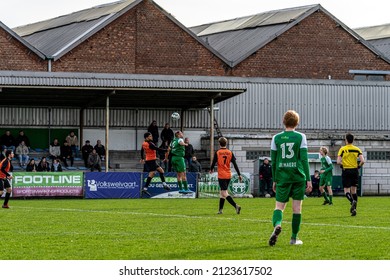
291,175
177,150
326,176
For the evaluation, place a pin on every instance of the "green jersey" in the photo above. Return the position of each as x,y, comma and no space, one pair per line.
289,157
326,165
177,149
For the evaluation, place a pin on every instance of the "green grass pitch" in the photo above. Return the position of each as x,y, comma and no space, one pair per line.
190,229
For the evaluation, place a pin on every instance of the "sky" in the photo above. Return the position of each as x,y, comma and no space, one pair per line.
353,13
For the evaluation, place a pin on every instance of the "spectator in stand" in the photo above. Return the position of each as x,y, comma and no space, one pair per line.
43,165
101,151
55,150
167,134
22,153
94,161
195,165
7,140
189,152
73,142
56,166
153,129
86,151
23,137
32,166
66,154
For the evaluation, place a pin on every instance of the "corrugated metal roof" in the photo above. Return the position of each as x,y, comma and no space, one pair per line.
79,16
20,88
21,40
238,38
374,32
378,36
262,19
52,41
238,44
55,37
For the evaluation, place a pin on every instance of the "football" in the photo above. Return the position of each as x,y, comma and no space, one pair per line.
175,116
267,195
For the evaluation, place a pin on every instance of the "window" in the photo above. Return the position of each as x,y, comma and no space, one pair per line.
361,77
378,155
253,155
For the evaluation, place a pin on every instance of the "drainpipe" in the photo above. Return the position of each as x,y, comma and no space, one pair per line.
49,62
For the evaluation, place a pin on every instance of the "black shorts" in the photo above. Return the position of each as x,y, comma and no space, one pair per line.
151,165
224,184
350,177
4,184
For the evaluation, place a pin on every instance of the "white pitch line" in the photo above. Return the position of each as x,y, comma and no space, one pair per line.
197,217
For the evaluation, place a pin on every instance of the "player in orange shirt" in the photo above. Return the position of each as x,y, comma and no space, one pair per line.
222,158
149,157
5,167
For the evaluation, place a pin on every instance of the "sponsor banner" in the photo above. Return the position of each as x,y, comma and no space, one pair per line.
209,187
25,184
156,188
112,184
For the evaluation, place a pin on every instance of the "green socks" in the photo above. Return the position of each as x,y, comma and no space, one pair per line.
296,225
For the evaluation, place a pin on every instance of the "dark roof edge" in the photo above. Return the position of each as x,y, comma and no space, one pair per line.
286,28
100,25
39,75
22,41
316,8
357,36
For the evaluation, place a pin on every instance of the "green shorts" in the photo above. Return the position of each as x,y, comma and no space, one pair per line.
326,180
178,164
294,190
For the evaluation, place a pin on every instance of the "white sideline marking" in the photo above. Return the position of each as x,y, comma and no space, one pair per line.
197,217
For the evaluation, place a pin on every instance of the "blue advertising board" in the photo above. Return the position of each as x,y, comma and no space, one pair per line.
112,184
156,188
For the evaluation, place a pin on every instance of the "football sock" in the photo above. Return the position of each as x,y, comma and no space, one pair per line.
162,177
221,203
180,185
231,201
331,198
185,185
349,197
277,217
355,197
147,183
296,225
6,198
325,196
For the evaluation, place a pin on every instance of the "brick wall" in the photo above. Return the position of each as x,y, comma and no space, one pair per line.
145,41
15,56
142,41
315,48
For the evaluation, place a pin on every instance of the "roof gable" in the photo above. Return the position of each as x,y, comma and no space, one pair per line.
55,37
21,40
239,38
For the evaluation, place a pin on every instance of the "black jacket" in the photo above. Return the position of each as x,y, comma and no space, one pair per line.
265,172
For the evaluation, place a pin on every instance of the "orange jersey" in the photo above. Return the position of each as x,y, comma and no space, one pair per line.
5,167
149,150
223,157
